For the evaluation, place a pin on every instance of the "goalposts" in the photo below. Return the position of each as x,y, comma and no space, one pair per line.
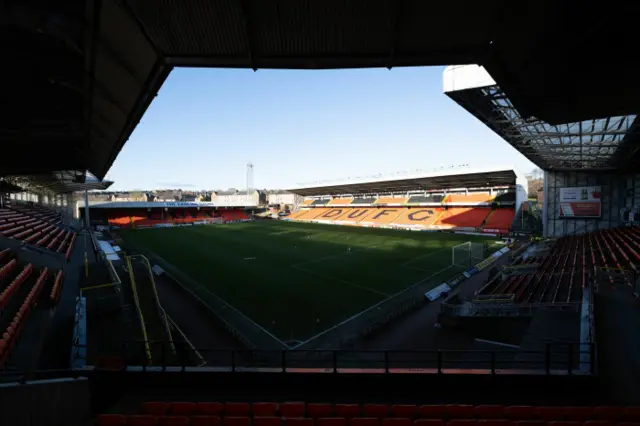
467,254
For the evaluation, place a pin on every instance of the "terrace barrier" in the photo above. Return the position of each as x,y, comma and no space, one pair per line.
554,359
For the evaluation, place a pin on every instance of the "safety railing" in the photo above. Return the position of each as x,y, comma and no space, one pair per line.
136,300
161,312
552,359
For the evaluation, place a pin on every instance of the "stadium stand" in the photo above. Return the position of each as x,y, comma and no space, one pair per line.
367,414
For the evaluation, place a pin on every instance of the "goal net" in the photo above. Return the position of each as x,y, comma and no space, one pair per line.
467,254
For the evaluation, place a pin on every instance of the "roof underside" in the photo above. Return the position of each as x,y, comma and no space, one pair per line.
60,182
597,144
82,73
471,180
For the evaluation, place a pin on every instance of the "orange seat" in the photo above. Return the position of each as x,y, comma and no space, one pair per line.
489,411
319,410
520,412
267,421
292,409
236,409
205,421
111,420
264,409
429,422
236,421
173,421
376,410
348,410
364,421
210,408
432,411
397,421
142,420
331,421
608,413
155,408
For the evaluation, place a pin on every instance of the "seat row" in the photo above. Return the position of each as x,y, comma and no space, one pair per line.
452,411
12,333
203,420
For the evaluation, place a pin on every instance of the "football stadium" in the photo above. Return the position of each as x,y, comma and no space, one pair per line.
452,296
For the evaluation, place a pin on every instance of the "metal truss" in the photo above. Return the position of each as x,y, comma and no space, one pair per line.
60,182
591,144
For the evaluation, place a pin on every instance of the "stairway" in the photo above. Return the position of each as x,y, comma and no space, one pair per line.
158,332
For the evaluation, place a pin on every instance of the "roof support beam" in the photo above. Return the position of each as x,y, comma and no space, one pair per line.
248,33
92,32
395,9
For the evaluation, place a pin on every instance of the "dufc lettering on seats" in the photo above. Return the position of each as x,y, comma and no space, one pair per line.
385,212
412,216
333,213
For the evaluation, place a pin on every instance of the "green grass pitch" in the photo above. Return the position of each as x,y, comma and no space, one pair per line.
298,279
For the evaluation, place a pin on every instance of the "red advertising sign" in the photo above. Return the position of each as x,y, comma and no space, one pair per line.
580,202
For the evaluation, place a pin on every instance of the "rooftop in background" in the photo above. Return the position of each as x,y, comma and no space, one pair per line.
82,74
419,181
603,144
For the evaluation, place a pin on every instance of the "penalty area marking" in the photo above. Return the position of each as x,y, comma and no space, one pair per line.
332,256
424,256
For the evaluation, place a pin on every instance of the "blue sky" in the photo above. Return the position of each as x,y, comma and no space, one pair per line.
301,126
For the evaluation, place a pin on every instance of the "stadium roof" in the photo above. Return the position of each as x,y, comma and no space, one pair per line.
419,181
598,144
82,73
61,182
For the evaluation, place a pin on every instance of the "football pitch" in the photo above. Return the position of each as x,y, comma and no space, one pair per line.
298,279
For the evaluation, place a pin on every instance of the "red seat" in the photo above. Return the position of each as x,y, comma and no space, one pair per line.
462,422
376,410
210,408
398,421
489,411
319,410
520,412
531,423
348,410
155,408
142,420
551,413
111,420
579,413
331,421
404,410
264,409
608,413
292,409
173,421
628,424
461,411
432,411
299,421
236,409
267,421
236,421
429,422
183,408
631,414
564,423
364,421
598,423
205,421
494,422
